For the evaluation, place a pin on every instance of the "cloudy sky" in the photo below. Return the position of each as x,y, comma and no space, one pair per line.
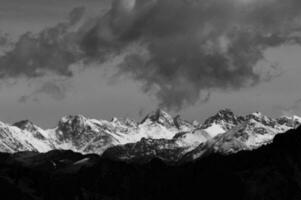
105,58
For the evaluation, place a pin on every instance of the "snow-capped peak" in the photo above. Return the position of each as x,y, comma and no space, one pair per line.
74,123
196,124
221,122
115,121
23,136
257,114
31,128
124,122
160,116
297,119
73,119
226,112
225,115
289,121
25,125
259,117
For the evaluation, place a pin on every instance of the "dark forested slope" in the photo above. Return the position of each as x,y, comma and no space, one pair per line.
272,172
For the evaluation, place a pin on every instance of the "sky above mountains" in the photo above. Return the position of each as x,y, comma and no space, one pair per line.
126,57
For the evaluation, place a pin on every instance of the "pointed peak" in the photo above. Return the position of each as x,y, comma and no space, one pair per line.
289,120
261,118
69,118
115,120
195,123
72,124
25,125
158,113
23,122
292,117
224,114
129,122
160,116
124,121
73,120
257,114
297,118
224,117
226,111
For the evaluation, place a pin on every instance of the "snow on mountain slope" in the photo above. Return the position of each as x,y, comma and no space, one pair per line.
157,135
147,149
222,133
156,125
297,120
168,150
84,135
215,129
254,131
13,139
246,136
192,139
287,122
221,122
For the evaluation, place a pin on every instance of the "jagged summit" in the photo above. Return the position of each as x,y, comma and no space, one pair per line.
289,121
221,122
259,117
124,122
25,125
297,118
159,116
225,112
73,120
225,115
30,127
257,114
77,124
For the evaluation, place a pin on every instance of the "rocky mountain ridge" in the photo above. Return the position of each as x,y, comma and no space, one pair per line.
158,135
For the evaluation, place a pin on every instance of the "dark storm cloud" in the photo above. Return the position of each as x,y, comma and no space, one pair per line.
192,46
53,49
195,46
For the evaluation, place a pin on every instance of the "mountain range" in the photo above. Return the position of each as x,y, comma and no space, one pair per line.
158,135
